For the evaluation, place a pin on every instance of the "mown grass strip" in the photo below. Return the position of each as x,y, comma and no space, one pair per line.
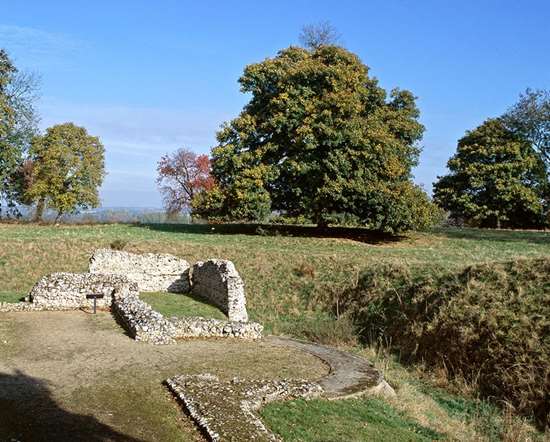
350,420
180,305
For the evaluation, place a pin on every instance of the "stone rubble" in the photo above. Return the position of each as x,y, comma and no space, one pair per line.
69,290
142,322
227,410
217,281
7,307
198,327
152,272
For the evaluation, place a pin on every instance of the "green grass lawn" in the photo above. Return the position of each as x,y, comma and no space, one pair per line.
350,420
11,297
286,274
172,304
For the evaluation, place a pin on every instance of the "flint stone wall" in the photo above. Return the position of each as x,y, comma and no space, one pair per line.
147,325
69,290
150,271
198,327
142,322
217,281
8,307
227,410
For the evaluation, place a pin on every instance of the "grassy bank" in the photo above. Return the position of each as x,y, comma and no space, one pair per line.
291,278
284,275
487,324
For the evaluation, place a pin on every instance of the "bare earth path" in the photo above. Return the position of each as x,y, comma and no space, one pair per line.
74,376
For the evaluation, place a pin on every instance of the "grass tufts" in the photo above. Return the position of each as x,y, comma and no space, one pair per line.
488,324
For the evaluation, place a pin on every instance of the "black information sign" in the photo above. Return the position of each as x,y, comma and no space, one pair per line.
95,298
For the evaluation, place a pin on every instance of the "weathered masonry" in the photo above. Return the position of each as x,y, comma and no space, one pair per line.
217,281
152,272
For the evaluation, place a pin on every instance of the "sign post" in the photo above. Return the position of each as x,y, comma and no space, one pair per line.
95,298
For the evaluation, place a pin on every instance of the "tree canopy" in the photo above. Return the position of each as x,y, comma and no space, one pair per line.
181,176
318,138
67,169
496,179
18,124
530,119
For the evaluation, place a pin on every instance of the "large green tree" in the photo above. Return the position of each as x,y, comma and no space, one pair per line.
18,124
17,127
8,158
320,137
67,170
496,179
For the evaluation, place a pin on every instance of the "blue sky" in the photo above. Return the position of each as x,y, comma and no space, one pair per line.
150,77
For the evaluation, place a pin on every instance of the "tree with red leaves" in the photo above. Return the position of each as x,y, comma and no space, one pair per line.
181,176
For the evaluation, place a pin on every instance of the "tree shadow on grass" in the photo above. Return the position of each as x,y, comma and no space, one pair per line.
353,233
531,236
28,412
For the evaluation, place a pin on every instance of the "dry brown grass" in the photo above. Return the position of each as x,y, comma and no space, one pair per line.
487,324
287,278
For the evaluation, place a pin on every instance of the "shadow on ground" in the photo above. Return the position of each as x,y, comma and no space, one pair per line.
353,233
28,412
531,236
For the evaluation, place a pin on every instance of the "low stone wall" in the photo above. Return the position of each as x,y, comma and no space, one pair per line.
69,290
7,307
198,327
227,410
147,325
151,272
218,282
142,322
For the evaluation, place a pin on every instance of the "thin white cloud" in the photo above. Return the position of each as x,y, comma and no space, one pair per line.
140,131
38,48
135,137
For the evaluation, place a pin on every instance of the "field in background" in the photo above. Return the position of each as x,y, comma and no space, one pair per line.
285,275
289,273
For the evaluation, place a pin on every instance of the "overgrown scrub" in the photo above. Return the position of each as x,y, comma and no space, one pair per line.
489,323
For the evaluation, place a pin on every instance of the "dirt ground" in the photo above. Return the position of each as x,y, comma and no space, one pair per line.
75,376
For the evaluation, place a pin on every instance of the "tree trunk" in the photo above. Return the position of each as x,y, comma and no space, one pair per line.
39,210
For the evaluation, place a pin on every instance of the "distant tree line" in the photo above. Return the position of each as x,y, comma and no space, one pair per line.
61,169
319,141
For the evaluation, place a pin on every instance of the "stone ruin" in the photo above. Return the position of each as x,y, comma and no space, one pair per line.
151,272
224,410
142,322
69,290
217,281
228,410
119,277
